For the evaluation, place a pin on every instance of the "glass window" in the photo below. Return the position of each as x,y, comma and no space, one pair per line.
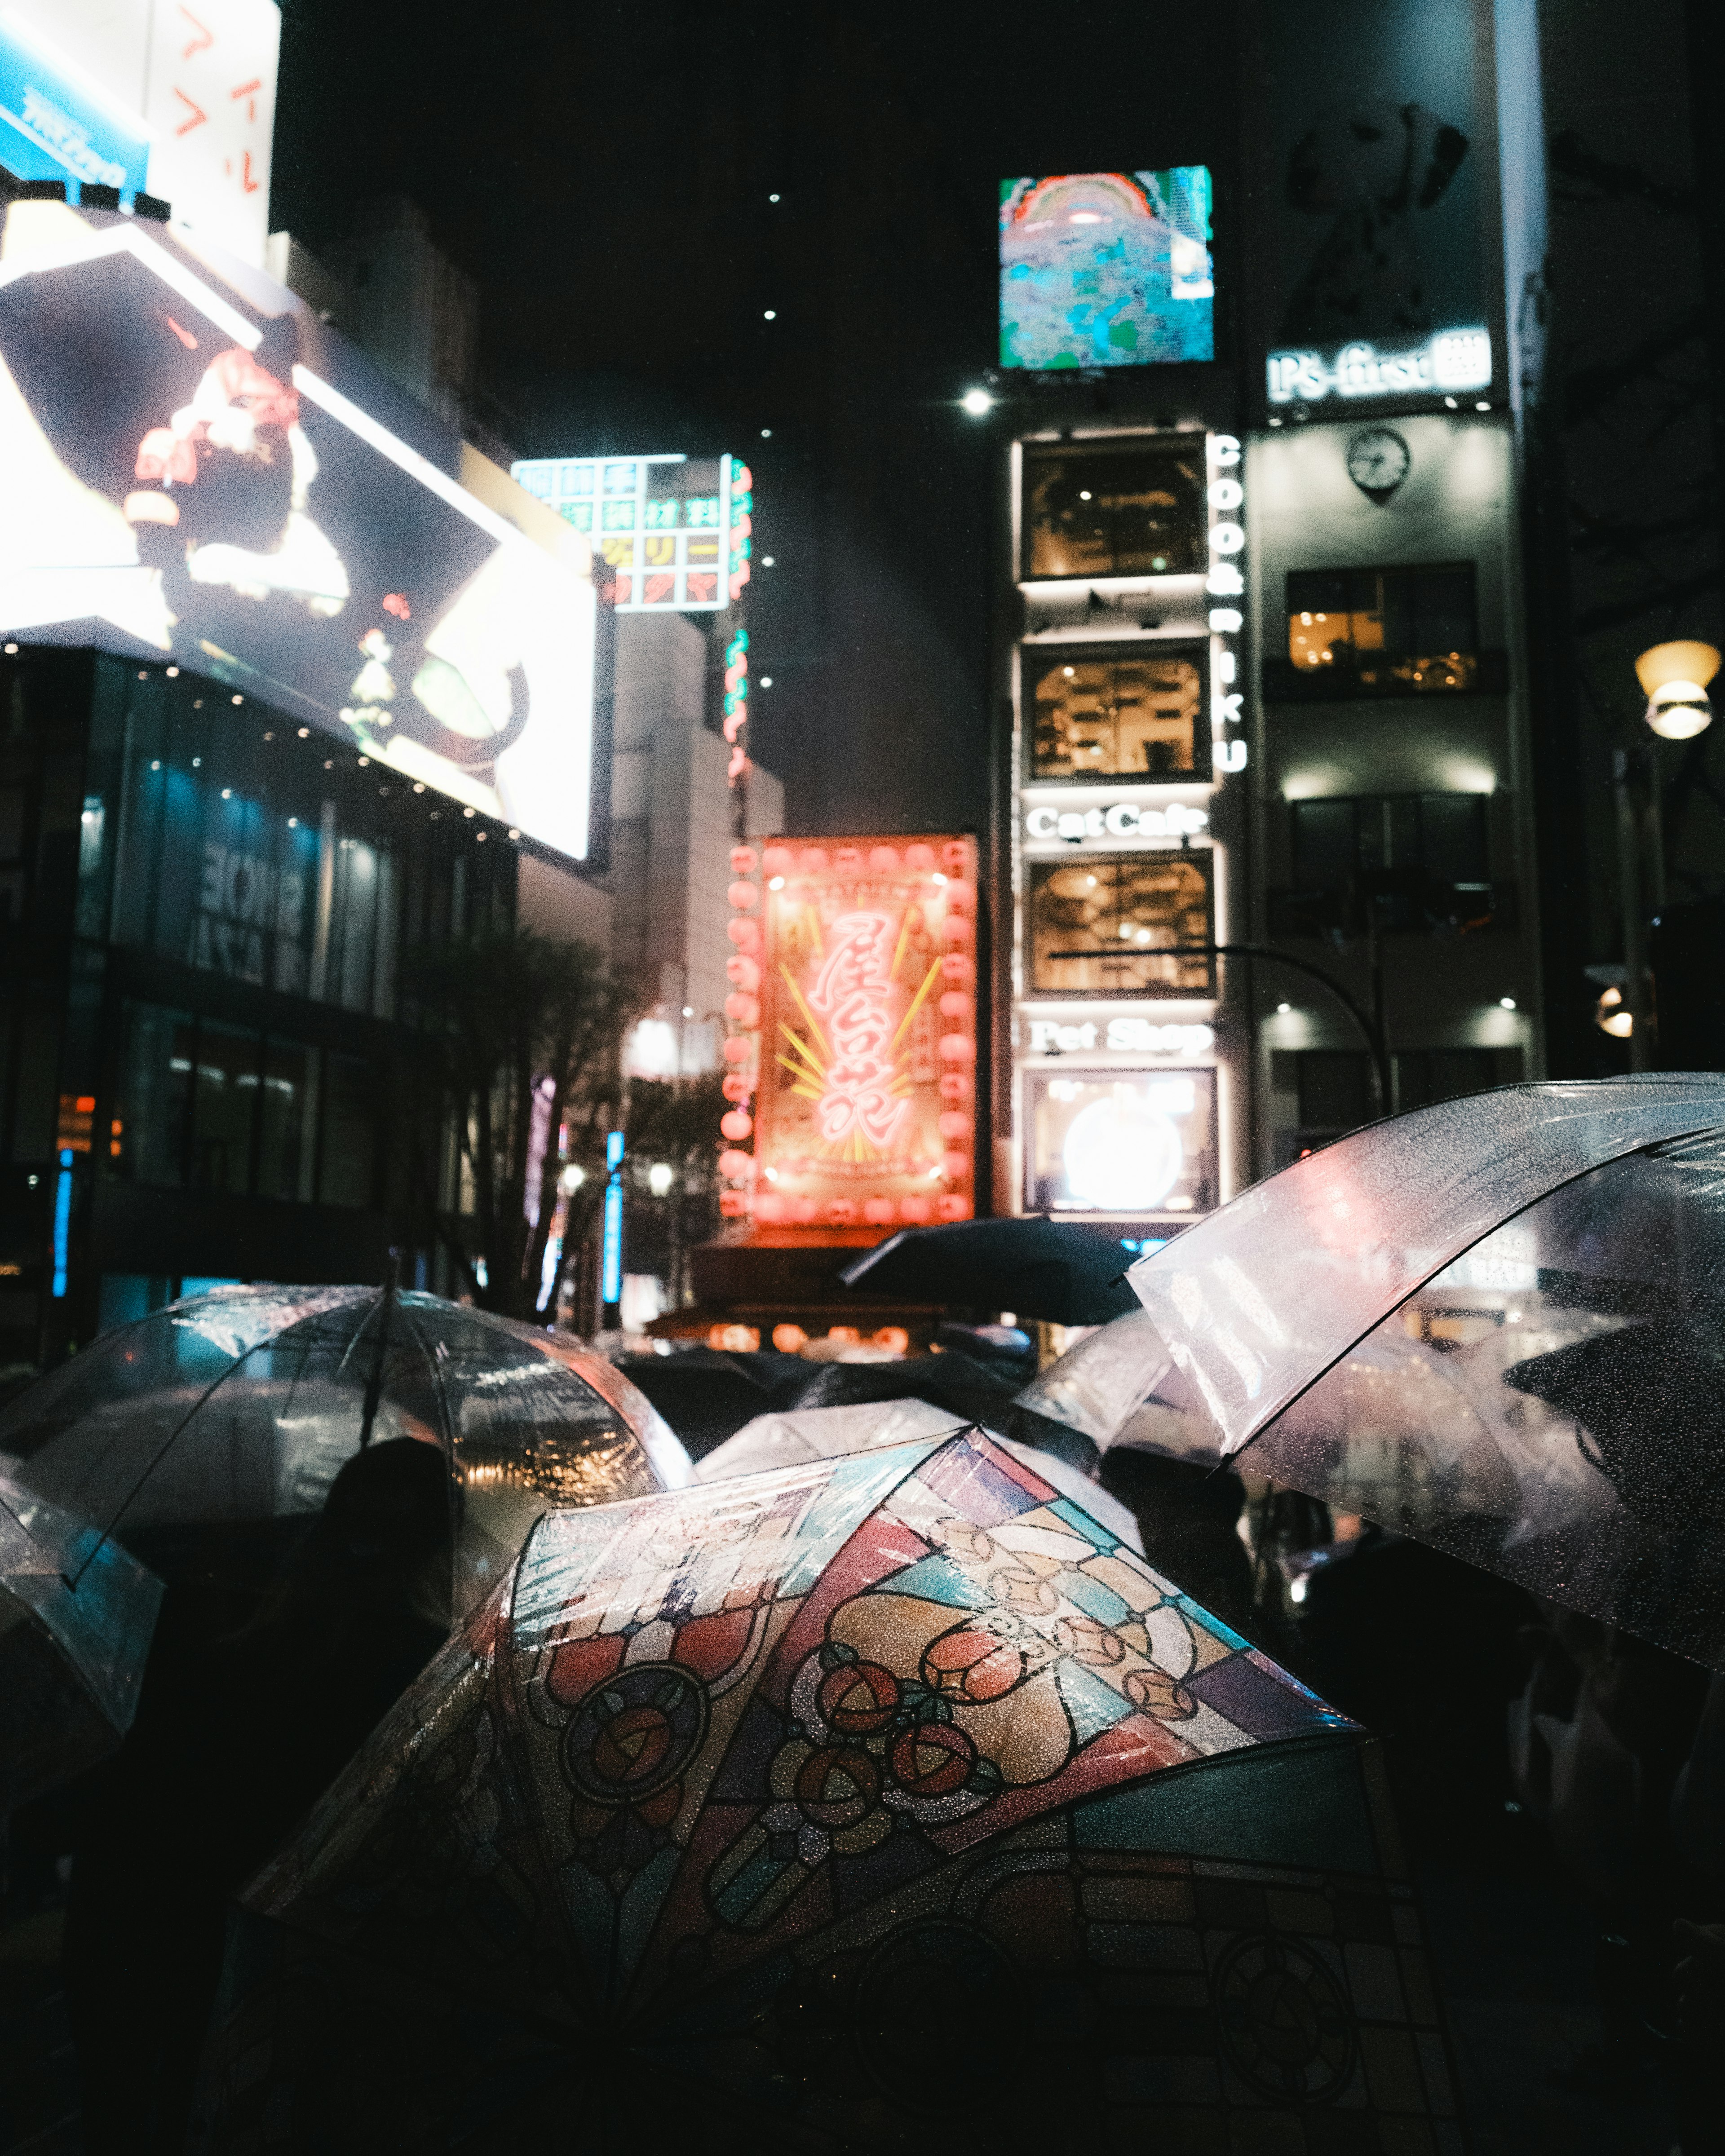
1141,1143
1116,714
1335,1091
152,1102
224,1101
1106,927
1384,632
287,1119
1098,512
11,856
345,1172
1426,1074
1437,836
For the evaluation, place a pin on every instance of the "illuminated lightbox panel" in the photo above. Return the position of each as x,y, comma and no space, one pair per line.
852,1057
1141,1144
676,529
1102,270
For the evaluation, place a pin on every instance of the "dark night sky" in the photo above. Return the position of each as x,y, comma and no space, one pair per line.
605,172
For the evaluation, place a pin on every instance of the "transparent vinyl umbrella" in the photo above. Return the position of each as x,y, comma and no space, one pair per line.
1496,1325
204,1438
71,1659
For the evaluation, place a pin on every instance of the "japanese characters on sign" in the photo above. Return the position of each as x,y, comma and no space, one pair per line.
851,1062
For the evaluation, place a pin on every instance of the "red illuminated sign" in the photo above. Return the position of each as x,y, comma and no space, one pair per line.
851,1059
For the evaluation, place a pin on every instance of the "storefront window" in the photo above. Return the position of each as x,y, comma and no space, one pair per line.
1138,1142
237,1111
223,1106
1116,714
287,1120
1121,927
1105,512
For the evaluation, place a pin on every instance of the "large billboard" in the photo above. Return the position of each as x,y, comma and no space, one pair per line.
675,529
853,1053
1375,281
179,484
1107,269
131,93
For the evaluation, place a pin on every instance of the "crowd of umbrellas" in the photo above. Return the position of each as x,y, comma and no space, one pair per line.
764,1797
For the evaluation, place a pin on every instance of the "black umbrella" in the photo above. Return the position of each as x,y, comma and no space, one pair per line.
1063,1271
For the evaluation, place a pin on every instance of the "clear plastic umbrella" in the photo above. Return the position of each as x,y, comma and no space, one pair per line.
204,1438
71,1660
1495,1325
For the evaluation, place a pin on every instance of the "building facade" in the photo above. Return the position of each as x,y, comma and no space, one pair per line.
1267,732
206,1032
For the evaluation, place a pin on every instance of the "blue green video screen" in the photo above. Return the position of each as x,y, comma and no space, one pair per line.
1107,269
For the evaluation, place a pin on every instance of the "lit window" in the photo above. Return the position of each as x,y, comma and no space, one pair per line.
1120,715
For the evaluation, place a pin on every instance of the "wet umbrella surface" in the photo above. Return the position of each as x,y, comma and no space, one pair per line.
836,1807
1495,1325
206,1438
71,1659
1061,1270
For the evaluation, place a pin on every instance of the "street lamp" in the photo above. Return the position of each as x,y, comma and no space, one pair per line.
1675,677
979,404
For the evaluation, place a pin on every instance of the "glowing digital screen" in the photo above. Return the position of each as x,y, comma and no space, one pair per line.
676,529
1107,269
861,983
1142,1143
178,484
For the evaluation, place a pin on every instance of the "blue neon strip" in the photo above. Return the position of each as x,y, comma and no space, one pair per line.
613,1149
62,1224
611,1271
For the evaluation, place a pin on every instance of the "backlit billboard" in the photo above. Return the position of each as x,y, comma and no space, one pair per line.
675,529
1139,1143
154,93
854,1028
1107,269
179,483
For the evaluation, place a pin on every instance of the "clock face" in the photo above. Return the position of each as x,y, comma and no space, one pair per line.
1377,462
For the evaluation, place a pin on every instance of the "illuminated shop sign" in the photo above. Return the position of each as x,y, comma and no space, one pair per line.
1454,360
676,529
178,484
148,93
1226,581
1142,1143
852,1058
1165,823
1107,269
1119,1036
53,128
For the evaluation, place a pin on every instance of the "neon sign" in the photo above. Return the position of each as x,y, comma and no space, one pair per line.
677,530
736,704
1121,819
1226,497
853,1038
1454,360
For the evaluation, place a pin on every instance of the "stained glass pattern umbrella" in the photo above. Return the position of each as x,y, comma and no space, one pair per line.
831,1808
71,1658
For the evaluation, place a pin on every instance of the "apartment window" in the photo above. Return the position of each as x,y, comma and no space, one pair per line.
1113,512
1339,838
1116,714
1121,927
1388,632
